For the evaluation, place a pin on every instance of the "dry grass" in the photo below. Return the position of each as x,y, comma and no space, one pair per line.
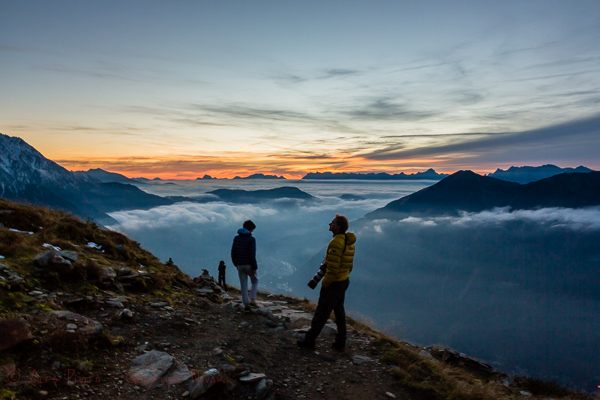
69,233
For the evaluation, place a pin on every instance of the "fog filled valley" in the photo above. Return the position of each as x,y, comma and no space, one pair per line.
518,289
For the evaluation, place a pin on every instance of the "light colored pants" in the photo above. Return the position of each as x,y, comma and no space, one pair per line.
245,271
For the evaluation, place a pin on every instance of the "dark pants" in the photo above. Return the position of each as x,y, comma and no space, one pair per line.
330,299
222,282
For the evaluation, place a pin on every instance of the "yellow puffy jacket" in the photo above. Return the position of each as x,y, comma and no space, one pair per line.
339,261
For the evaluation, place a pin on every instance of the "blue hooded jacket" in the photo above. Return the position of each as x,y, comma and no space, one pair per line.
243,251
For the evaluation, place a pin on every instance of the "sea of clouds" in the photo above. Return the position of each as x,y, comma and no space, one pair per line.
517,288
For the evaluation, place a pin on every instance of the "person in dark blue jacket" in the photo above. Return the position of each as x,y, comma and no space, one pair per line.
243,255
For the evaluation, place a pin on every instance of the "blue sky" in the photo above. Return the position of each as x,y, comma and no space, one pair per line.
184,88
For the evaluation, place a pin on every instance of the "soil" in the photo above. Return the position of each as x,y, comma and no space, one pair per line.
202,333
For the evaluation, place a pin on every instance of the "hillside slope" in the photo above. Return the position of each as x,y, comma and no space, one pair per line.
468,191
87,313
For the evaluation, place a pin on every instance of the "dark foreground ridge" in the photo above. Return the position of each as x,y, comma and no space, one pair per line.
86,313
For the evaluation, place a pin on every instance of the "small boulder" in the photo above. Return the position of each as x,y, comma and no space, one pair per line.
69,255
106,274
252,377
87,326
358,359
200,385
51,261
147,369
13,332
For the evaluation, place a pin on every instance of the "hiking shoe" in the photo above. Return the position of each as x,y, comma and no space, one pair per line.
338,346
253,305
247,309
303,343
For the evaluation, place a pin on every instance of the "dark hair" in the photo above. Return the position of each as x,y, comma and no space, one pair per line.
249,225
342,222
221,263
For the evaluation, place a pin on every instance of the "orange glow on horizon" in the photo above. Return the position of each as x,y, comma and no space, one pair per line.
191,168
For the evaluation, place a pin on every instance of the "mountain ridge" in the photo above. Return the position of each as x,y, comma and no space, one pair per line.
468,191
26,175
528,174
429,174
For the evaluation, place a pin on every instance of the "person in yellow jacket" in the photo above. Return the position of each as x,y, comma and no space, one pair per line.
339,263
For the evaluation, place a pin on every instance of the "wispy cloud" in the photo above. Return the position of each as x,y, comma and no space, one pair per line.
386,109
572,139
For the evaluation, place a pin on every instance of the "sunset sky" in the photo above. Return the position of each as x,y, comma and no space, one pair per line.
186,88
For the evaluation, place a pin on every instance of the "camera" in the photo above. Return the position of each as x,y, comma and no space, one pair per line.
318,276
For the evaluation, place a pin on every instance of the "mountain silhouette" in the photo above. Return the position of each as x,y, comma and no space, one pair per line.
531,174
103,176
468,191
429,174
27,176
254,196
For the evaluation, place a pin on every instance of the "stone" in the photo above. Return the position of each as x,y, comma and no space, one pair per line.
69,255
390,395
71,326
295,315
261,389
147,369
329,329
124,271
126,314
200,385
107,274
51,261
86,325
427,355
115,303
179,373
13,331
9,276
252,377
358,359
144,347
159,304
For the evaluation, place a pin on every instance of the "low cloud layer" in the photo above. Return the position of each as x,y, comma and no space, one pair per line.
553,217
508,286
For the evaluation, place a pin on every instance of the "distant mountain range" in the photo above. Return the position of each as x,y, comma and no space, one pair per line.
468,191
27,176
532,174
429,174
253,176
